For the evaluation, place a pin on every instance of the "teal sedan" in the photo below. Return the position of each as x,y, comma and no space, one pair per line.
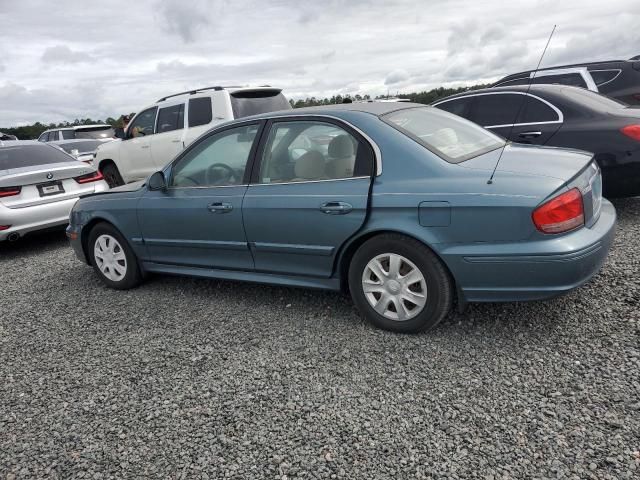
409,208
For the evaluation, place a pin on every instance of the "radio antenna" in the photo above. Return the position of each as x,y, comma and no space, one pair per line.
524,99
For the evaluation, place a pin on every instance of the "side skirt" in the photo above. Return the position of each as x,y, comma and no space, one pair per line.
256,277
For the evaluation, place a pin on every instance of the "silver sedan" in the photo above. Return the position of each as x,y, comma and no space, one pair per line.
39,184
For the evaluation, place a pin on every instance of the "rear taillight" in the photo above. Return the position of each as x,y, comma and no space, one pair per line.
5,227
560,214
91,177
10,191
632,131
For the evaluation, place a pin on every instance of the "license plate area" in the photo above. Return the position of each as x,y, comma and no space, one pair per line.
50,188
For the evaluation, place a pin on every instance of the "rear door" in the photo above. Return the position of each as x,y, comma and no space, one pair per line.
168,140
309,194
519,117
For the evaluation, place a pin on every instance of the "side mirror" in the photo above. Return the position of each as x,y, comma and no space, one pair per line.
157,181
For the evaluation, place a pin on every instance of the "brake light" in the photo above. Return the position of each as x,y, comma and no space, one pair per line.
5,227
632,131
560,214
90,177
10,191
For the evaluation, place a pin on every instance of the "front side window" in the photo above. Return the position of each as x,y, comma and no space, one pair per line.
170,118
68,135
200,112
452,138
143,124
302,151
218,160
43,137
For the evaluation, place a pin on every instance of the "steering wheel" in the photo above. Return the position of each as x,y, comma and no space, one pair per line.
213,179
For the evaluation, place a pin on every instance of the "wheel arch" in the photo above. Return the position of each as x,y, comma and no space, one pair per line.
346,254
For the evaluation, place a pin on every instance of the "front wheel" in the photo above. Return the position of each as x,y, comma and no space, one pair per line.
112,258
399,284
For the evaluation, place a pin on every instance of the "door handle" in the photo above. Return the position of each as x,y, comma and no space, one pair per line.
335,208
144,146
529,134
220,207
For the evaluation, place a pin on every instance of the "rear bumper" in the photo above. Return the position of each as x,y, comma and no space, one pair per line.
532,270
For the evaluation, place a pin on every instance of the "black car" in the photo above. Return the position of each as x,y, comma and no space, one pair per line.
618,79
562,116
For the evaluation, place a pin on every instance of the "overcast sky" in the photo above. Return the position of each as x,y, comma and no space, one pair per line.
63,59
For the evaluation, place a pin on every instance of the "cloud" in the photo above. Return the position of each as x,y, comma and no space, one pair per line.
3,67
397,76
63,54
186,21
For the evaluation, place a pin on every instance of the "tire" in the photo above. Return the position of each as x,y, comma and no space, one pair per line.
118,266
422,298
112,175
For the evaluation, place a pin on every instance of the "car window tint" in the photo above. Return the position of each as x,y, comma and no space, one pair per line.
68,135
170,118
253,102
303,151
574,79
31,155
496,109
53,136
218,160
534,110
200,112
603,76
143,124
457,107
452,138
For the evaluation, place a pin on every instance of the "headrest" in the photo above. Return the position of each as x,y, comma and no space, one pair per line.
310,166
341,146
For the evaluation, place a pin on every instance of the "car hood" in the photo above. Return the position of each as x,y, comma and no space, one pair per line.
560,163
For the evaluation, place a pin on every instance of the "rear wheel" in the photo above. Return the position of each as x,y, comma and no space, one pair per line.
112,258
112,175
399,284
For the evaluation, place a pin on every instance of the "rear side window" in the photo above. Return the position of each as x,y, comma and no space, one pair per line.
459,106
68,134
496,109
601,77
254,102
573,79
200,111
534,110
170,118
448,136
31,155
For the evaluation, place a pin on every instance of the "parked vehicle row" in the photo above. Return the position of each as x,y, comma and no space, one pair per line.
387,200
562,116
79,132
160,131
39,184
618,79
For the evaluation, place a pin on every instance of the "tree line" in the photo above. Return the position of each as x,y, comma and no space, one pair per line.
29,132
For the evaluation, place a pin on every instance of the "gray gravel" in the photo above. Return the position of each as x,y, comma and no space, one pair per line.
186,378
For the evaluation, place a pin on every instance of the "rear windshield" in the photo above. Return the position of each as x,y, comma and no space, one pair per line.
83,146
592,100
20,156
448,136
253,102
96,132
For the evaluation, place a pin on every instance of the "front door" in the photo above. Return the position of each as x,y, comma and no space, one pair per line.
135,149
197,220
168,139
309,194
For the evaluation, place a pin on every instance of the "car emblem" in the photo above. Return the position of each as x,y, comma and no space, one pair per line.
49,176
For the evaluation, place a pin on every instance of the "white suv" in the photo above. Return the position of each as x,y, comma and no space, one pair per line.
159,132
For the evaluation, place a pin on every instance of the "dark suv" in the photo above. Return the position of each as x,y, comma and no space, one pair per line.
619,79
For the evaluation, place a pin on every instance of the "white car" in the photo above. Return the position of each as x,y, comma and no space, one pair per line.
39,184
79,132
159,132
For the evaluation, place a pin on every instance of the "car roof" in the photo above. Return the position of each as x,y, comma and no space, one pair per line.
533,89
373,108
78,127
560,67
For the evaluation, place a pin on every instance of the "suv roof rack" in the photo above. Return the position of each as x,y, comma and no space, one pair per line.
192,92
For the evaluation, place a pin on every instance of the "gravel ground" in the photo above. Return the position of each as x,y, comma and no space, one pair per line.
186,378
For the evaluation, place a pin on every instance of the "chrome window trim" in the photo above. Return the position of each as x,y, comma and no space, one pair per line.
582,71
207,187
309,181
607,70
376,150
556,109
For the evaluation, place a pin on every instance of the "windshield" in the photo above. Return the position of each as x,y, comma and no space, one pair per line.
96,132
20,156
447,135
252,102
